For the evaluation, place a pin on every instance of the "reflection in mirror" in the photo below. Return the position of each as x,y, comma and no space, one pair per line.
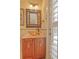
33,18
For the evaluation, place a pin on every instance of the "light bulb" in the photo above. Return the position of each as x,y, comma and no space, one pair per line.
36,7
31,6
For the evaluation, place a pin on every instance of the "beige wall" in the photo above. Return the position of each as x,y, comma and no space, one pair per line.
42,4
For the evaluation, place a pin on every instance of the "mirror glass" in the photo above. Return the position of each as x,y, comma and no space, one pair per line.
33,18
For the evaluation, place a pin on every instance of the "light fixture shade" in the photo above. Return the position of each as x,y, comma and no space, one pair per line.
33,6
36,7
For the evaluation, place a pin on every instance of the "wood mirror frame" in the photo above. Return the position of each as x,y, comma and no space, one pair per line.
33,18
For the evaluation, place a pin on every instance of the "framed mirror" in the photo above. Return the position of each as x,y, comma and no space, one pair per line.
33,18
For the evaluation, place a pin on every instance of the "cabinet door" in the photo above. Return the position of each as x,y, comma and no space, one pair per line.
27,48
40,48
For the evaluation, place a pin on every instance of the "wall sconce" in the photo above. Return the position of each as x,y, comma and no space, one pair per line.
34,6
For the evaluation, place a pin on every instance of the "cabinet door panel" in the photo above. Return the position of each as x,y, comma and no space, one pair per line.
27,48
40,48
28,58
